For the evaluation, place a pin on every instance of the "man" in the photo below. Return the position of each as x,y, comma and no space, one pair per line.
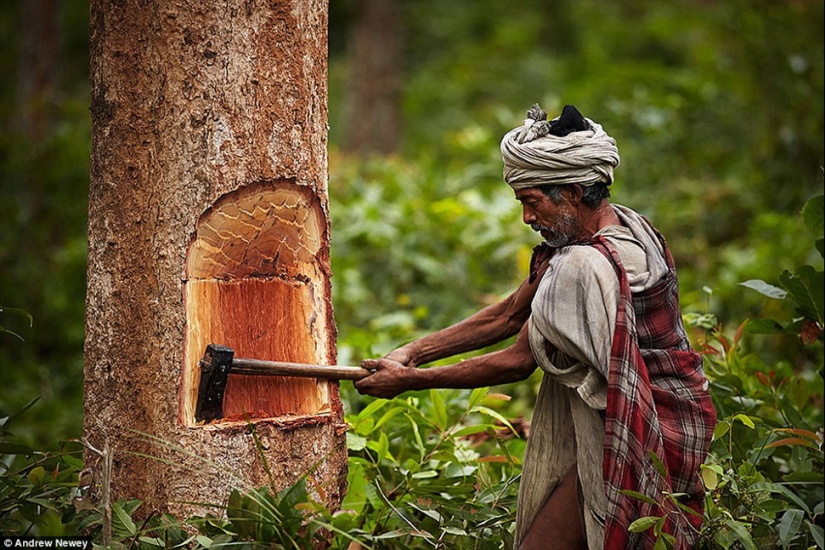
624,403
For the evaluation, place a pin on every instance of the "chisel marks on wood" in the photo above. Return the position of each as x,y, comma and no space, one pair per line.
273,229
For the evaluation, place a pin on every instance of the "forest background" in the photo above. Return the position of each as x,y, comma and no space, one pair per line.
716,107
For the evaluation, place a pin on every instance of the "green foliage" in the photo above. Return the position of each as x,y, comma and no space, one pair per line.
766,463
765,474
805,286
438,469
15,311
392,282
36,488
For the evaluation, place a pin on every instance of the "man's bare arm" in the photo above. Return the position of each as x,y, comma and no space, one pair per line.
500,367
489,326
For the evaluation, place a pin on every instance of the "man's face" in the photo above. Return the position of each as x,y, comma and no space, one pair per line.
557,223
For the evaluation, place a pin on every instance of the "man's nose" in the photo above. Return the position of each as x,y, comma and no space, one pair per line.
528,216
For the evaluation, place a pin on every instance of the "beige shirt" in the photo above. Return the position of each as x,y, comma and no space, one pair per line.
575,310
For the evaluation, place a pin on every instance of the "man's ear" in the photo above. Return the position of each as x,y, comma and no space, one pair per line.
574,193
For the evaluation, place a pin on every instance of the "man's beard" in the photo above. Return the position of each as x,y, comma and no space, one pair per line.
563,232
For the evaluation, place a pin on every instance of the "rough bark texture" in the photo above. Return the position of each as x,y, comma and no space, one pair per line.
208,222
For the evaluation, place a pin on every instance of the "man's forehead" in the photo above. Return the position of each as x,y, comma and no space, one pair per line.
528,192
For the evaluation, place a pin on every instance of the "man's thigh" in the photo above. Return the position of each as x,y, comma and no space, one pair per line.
558,524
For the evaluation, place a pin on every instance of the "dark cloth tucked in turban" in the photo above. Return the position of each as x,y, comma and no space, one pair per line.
566,150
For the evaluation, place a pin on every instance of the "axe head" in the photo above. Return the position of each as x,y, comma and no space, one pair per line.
215,366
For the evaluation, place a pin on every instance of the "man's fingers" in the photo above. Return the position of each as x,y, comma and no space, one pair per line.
371,364
380,364
383,382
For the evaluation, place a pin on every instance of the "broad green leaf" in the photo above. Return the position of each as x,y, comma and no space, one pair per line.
417,435
657,462
121,522
490,412
372,408
816,533
356,442
812,215
474,429
15,449
638,496
643,524
746,420
356,497
721,429
789,525
152,541
439,410
476,396
741,533
710,478
765,289
37,475
669,539
383,446
805,286
387,416
763,326
781,489
389,535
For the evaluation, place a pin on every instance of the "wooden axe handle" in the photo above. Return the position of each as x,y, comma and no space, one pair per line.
259,367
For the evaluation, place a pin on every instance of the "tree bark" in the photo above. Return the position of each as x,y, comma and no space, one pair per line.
208,222
372,104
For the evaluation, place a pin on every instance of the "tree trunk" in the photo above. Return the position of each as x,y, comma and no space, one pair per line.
372,103
39,61
208,223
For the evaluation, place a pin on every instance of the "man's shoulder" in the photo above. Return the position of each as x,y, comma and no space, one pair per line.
579,262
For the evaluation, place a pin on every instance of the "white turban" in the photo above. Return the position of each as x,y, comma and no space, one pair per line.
533,156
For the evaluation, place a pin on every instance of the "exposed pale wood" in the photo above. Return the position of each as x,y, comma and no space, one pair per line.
260,318
254,285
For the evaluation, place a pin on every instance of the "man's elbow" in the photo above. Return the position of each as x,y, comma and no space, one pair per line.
522,369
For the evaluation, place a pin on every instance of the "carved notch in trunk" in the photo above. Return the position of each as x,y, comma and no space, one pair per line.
257,274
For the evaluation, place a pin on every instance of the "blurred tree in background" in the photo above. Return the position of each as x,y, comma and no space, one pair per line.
44,179
716,106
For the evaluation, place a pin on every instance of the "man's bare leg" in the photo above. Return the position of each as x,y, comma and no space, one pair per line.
558,525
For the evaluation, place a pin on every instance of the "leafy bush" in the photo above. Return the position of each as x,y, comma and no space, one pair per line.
765,473
433,470
36,488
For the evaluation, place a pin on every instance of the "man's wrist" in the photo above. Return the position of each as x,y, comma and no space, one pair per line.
413,378
411,355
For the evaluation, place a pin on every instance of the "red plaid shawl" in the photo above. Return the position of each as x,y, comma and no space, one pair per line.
657,402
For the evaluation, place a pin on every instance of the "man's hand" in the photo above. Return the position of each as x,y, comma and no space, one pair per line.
389,378
403,356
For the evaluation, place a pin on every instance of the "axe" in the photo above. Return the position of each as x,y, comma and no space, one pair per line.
218,362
